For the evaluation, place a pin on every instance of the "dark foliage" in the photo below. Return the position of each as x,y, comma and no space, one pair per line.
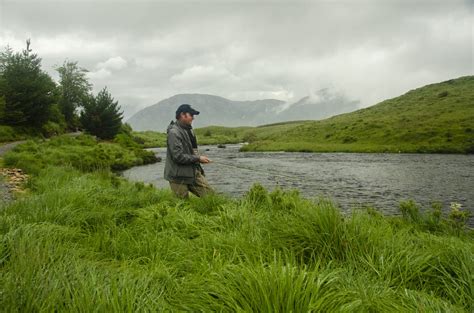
28,91
74,91
101,116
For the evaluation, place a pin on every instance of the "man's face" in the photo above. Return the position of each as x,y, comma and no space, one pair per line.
187,118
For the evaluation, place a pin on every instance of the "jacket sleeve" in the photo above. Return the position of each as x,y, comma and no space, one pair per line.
178,155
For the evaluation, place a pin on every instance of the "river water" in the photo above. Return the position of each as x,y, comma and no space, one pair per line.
350,179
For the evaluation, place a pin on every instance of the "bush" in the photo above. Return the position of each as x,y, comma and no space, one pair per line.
101,116
52,129
7,133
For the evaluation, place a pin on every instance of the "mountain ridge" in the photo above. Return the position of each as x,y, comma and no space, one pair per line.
219,111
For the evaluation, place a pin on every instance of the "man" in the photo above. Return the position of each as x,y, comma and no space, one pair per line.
183,163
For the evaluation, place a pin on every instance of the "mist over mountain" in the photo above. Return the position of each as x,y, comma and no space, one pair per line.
321,105
220,111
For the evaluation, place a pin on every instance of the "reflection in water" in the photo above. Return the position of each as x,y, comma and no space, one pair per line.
351,179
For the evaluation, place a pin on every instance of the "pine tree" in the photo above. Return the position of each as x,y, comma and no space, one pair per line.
101,116
29,92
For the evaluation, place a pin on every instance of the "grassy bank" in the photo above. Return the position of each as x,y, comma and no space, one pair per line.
150,139
83,239
82,152
211,135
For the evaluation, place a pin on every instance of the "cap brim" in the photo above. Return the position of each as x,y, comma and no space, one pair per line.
194,112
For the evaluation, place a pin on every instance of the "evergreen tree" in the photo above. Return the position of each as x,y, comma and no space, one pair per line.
74,91
2,108
29,92
101,116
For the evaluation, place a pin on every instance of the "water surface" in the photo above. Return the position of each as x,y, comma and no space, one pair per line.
350,179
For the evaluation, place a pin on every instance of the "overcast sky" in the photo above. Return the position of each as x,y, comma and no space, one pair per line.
146,51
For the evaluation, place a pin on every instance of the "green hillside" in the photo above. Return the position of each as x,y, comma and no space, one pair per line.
434,118
437,118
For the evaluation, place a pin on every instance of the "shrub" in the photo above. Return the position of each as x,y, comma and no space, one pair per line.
101,116
51,129
7,133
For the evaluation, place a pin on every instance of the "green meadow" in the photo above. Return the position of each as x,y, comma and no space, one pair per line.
83,239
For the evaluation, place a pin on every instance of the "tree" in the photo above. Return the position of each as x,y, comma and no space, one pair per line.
101,116
2,108
28,91
74,91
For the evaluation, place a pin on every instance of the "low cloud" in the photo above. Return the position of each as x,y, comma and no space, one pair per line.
99,74
200,75
115,63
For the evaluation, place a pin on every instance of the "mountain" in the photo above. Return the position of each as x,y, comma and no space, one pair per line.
214,111
437,118
220,111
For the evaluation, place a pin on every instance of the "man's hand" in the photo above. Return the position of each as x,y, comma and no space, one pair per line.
204,159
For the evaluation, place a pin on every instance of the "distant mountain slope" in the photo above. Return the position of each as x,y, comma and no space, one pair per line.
214,111
435,118
224,112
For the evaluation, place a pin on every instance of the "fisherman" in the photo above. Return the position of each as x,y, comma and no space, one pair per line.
183,163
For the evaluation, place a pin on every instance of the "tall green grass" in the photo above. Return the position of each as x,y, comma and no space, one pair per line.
92,241
87,242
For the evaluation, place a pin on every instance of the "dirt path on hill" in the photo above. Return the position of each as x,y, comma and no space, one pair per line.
9,146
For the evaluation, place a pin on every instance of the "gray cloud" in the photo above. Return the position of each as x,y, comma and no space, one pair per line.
145,51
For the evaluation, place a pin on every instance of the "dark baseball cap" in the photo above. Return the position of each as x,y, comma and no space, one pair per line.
186,108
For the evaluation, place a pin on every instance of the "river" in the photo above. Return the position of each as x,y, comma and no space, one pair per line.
350,179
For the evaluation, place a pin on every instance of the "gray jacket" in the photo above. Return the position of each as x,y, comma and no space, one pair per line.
181,162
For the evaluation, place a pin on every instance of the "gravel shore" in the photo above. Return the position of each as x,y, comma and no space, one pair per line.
6,194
